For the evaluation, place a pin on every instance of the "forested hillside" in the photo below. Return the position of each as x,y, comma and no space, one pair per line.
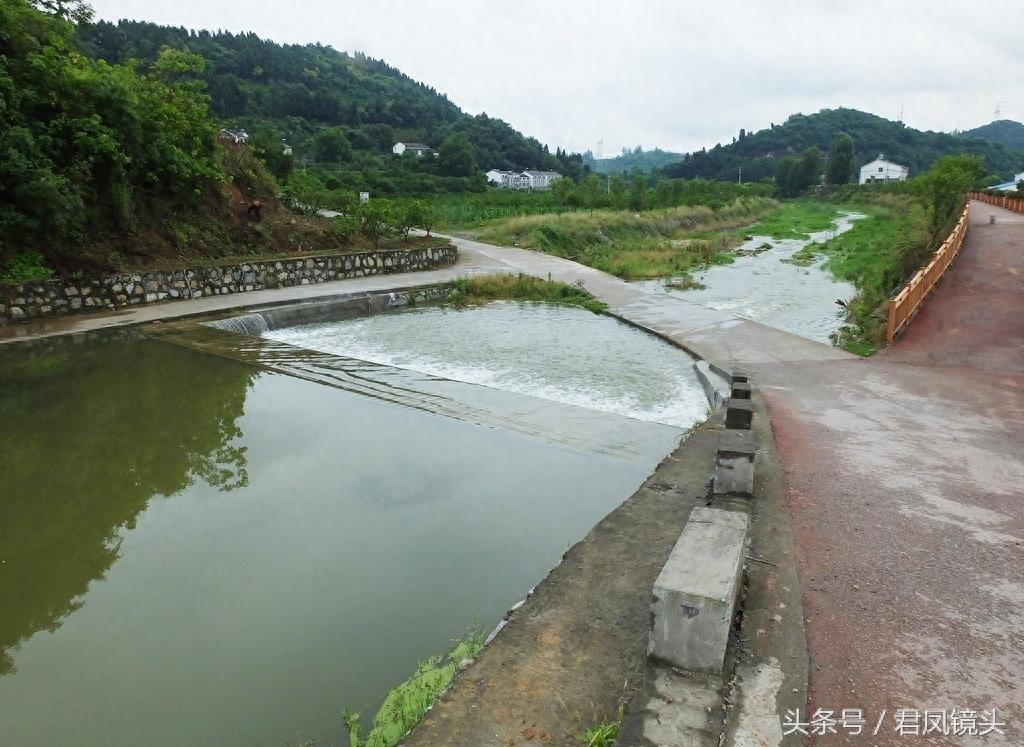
341,111
1005,131
758,153
632,159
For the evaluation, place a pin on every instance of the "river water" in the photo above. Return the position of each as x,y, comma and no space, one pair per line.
196,550
764,287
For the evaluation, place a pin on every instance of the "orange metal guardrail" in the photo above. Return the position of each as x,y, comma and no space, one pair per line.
1016,204
907,301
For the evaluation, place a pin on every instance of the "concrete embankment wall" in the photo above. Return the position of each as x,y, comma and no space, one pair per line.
117,290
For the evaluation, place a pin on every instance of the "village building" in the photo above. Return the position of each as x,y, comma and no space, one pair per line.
534,180
230,136
881,170
418,149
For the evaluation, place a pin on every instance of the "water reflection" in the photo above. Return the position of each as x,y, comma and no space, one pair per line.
92,429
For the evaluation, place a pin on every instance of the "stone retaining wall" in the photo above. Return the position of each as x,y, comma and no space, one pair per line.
55,297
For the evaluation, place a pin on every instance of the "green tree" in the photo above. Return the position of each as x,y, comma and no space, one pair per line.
840,160
810,168
331,146
562,190
273,156
456,157
591,191
617,187
377,220
638,193
944,184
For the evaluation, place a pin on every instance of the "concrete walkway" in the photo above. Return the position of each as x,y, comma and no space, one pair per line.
906,475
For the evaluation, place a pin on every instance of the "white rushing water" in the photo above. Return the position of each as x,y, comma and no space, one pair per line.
556,353
765,288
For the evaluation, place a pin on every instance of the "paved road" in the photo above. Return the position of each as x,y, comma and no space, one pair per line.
906,476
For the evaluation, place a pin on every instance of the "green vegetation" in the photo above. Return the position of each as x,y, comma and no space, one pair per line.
758,153
405,705
340,113
89,148
1005,131
796,220
487,288
629,160
841,166
659,243
905,224
602,735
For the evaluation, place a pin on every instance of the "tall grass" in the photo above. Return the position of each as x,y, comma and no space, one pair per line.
633,246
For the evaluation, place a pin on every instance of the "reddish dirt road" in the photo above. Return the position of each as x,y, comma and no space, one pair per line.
906,475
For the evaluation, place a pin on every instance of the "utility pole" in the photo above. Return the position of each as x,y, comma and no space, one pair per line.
739,179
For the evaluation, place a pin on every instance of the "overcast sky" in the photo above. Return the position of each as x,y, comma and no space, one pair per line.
678,75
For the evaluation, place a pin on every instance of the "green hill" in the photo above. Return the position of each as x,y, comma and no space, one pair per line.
757,153
628,160
296,92
1005,131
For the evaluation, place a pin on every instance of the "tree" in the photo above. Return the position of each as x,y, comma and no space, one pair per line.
561,191
944,184
840,160
376,221
617,187
591,191
638,193
787,177
273,156
456,157
331,146
810,168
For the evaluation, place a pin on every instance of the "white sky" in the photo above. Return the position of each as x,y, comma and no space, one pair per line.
678,75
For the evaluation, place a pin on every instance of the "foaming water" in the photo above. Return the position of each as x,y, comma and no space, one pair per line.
556,353
766,288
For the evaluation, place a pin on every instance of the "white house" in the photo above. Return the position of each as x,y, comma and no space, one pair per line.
235,137
541,180
881,170
418,149
285,148
538,180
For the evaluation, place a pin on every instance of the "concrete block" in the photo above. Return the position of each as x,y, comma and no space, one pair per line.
740,390
740,377
695,594
736,443
734,477
739,414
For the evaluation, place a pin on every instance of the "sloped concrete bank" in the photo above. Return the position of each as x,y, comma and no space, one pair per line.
26,301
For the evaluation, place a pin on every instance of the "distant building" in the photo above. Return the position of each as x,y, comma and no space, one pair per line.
1010,186
286,149
541,180
536,180
881,170
241,136
418,149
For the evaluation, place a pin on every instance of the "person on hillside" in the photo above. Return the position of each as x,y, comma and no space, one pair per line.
255,209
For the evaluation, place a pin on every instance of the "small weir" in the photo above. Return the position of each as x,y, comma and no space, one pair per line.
247,324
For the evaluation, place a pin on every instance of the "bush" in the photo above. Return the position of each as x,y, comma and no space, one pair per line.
26,267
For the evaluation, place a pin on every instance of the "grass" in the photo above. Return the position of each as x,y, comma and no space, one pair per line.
797,220
877,255
487,288
602,735
669,242
405,705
